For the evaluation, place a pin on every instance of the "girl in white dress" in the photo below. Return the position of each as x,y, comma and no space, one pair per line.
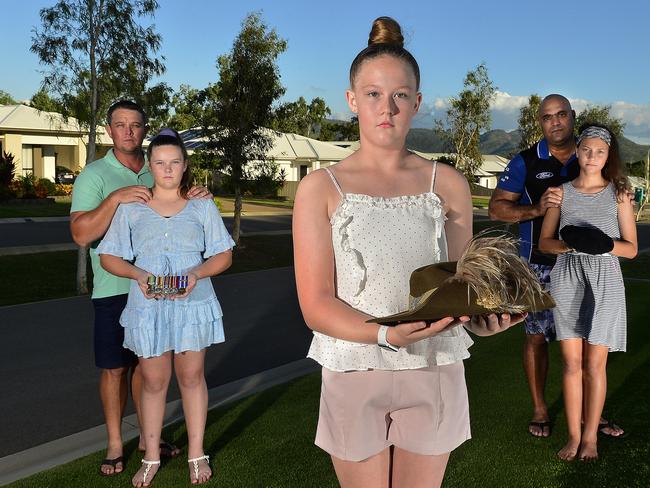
393,400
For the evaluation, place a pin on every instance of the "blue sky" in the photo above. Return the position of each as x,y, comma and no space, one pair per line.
592,52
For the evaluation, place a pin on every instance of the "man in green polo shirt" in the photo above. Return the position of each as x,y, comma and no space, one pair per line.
122,176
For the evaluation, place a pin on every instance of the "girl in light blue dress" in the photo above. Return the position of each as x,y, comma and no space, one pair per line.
170,235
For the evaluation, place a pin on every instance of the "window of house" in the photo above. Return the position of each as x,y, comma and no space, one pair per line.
28,159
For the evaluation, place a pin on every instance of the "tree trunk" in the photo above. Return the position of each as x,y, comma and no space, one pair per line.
237,217
82,253
646,198
82,278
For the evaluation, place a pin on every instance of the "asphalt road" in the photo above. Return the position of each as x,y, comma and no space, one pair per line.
49,380
39,233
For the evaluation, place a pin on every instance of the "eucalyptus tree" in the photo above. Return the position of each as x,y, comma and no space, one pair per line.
529,126
94,52
237,111
469,114
600,114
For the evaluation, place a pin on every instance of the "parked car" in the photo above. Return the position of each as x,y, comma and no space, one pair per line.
64,175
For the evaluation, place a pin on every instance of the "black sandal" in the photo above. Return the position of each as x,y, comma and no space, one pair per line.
612,426
166,450
114,463
541,425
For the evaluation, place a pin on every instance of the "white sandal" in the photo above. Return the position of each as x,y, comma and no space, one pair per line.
195,463
149,464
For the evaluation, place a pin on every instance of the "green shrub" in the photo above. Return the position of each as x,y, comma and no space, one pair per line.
27,185
7,170
44,187
261,179
63,189
268,180
218,204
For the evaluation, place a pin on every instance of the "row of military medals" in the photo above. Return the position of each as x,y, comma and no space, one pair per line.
167,285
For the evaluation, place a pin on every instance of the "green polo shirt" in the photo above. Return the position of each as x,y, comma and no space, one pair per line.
98,180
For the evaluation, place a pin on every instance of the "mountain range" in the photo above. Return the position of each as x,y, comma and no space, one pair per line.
505,144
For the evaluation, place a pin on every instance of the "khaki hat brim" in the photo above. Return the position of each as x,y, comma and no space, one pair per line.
451,297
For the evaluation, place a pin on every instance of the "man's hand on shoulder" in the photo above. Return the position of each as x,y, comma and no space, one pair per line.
131,194
199,192
551,198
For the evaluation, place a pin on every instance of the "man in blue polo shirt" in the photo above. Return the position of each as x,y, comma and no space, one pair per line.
122,176
529,185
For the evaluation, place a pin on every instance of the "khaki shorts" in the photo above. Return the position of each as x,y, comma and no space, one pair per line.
424,411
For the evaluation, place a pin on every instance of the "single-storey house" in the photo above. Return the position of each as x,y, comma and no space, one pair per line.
40,141
295,154
486,175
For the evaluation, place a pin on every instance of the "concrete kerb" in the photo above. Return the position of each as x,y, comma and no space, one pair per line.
27,220
71,246
17,250
36,459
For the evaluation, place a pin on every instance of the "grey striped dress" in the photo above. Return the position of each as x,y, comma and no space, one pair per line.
588,289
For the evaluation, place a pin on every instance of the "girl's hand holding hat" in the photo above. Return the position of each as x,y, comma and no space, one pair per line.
409,332
487,325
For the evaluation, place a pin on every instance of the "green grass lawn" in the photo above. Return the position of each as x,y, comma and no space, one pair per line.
266,440
270,202
481,202
56,276
639,267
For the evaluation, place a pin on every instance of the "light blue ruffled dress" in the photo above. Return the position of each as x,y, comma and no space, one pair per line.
169,245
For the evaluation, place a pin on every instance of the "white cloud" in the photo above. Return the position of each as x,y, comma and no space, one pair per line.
635,116
505,112
440,104
504,102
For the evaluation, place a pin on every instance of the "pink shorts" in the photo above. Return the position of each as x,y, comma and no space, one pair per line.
424,411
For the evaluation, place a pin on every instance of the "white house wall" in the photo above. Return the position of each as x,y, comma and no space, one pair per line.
488,182
292,168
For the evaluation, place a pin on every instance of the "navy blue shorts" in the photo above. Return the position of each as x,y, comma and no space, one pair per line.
541,322
109,334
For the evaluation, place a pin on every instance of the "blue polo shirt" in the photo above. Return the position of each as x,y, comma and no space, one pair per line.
530,173
98,180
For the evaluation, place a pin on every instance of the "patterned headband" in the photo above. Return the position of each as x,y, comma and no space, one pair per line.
599,132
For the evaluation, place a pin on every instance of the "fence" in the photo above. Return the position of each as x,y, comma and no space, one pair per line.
481,191
288,190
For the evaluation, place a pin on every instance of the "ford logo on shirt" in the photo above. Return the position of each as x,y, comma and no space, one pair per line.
543,176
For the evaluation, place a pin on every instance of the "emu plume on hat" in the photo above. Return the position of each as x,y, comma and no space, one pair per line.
489,277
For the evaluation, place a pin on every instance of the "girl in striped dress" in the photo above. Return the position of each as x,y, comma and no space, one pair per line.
596,224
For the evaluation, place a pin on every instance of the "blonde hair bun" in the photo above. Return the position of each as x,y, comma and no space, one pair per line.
386,30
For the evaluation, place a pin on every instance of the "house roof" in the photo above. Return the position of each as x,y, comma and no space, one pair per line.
21,118
301,147
285,146
493,163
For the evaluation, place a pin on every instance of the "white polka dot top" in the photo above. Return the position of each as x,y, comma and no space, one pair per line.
377,243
